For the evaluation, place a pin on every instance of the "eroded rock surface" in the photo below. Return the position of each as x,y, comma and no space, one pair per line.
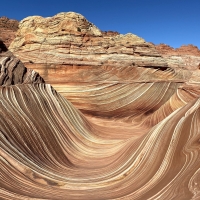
13,71
8,28
135,134
84,64
186,57
49,150
69,39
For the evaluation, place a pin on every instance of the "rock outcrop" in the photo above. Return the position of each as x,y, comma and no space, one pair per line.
87,65
76,57
8,28
69,39
186,57
189,50
13,71
135,134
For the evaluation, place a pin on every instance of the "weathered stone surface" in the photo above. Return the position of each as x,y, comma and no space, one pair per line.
76,57
8,28
187,56
183,50
68,38
67,49
138,135
87,65
12,70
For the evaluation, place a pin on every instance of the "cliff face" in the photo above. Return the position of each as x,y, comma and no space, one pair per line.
8,28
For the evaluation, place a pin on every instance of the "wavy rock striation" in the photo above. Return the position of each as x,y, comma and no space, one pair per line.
13,71
49,150
131,131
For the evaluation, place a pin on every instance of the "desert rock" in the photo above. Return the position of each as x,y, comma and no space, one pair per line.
13,71
70,52
123,122
186,57
8,28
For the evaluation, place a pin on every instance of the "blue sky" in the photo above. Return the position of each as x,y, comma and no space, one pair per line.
173,22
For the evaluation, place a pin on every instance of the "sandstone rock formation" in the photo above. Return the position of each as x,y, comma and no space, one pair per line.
80,61
69,39
96,70
183,50
8,28
13,71
187,56
131,131
50,151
